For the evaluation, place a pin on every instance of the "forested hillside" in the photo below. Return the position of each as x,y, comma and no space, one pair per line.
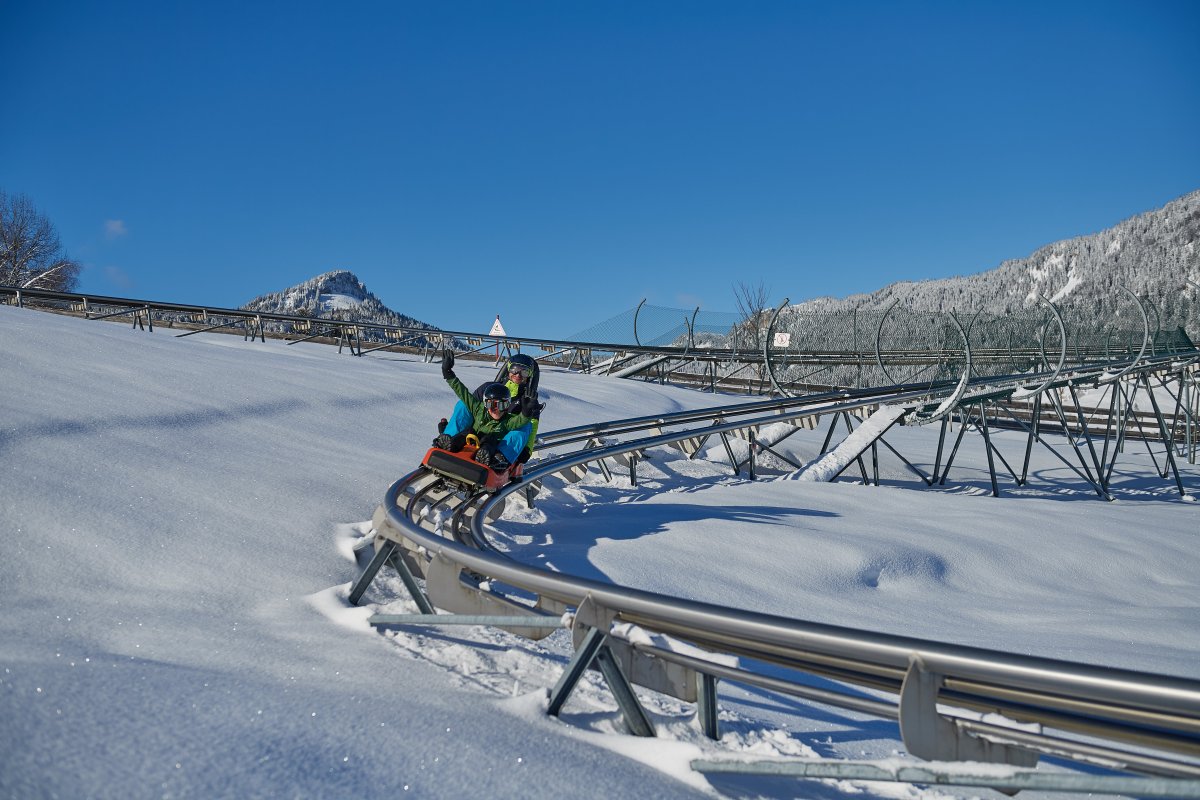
1153,254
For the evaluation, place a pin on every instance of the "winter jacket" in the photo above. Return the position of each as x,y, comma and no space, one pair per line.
484,426
516,391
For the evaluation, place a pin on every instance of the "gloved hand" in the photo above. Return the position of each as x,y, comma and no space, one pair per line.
447,364
525,454
530,407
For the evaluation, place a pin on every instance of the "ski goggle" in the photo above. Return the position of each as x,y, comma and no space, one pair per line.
518,369
495,405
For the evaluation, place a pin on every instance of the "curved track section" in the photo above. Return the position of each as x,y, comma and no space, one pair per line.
1139,722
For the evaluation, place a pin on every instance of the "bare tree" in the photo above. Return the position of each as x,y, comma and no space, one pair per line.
31,256
752,307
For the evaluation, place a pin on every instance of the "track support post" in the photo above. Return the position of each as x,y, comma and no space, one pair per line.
593,650
388,552
706,705
382,554
929,735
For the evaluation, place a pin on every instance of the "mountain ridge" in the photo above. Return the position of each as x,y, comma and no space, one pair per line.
1152,253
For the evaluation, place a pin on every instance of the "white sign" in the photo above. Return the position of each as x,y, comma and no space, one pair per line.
782,339
497,328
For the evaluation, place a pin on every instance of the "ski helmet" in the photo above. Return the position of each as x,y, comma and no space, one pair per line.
522,363
496,396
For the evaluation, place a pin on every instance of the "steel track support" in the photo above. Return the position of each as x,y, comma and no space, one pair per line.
833,418
1087,436
777,454
631,708
316,335
987,446
937,460
1191,405
706,705
729,452
1174,414
1162,471
750,458
862,468
371,570
1162,426
907,463
1124,409
995,449
592,444
929,735
574,670
1114,411
410,583
593,649
1037,438
1087,472
211,328
962,429
389,553
1035,424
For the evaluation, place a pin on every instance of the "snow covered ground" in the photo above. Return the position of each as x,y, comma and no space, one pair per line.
176,515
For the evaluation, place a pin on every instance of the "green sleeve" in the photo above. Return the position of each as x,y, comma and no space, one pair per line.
463,393
532,436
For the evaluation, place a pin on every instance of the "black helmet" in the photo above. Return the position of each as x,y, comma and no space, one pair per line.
526,366
523,363
496,395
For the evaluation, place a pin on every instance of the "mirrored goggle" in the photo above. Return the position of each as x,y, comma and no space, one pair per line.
517,369
495,405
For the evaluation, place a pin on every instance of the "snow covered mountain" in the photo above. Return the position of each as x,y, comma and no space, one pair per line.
336,295
1152,254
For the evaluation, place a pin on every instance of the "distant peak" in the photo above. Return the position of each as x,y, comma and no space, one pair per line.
337,293
339,281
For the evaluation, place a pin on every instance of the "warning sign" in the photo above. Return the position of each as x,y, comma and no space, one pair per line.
497,328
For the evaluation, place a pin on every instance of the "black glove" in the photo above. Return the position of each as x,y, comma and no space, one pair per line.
448,364
530,407
525,454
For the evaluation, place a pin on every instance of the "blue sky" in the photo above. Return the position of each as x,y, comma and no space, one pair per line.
556,162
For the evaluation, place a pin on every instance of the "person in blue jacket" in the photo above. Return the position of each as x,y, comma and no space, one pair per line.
504,416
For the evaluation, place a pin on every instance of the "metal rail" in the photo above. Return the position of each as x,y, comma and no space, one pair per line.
384,337
1129,720
821,355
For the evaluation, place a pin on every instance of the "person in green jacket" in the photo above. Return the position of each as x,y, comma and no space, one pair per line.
503,429
520,374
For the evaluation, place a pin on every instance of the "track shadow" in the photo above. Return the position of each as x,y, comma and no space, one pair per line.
575,532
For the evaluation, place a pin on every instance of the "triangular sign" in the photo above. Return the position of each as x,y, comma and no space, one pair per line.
497,328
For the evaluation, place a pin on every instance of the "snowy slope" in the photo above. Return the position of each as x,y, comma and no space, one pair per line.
176,513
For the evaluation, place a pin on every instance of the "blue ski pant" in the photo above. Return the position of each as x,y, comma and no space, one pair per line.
511,445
